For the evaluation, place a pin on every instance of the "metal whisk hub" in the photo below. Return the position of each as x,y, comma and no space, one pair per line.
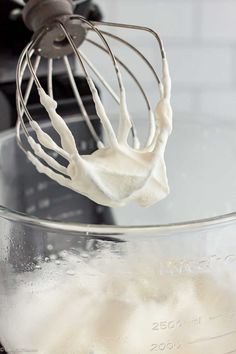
54,44
38,13
44,16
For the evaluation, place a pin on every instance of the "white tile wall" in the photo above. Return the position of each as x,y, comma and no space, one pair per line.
200,65
200,37
159,14
219,102
219,20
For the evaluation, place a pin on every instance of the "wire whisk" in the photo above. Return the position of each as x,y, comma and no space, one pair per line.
104,176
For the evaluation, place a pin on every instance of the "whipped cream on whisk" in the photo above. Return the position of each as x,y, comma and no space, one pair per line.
116,173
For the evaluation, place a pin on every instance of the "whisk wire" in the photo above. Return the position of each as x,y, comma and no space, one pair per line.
126,69
80,101
20,103
134,27
126,125
98,104
128,44
50,84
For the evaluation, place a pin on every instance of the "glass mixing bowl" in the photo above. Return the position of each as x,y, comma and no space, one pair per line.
79,278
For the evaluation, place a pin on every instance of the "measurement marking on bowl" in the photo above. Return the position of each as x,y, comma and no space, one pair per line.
62,198
226,314
174,324
44,203
42,185
29,191
201,264
31,209
200,340
164,346
70,214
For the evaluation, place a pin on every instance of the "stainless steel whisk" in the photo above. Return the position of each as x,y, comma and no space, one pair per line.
58,34
105,175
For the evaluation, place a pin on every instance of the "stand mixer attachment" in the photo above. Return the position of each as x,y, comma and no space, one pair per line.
117,172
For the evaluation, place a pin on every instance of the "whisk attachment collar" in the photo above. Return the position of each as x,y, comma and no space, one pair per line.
45,14
54,44
38,13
